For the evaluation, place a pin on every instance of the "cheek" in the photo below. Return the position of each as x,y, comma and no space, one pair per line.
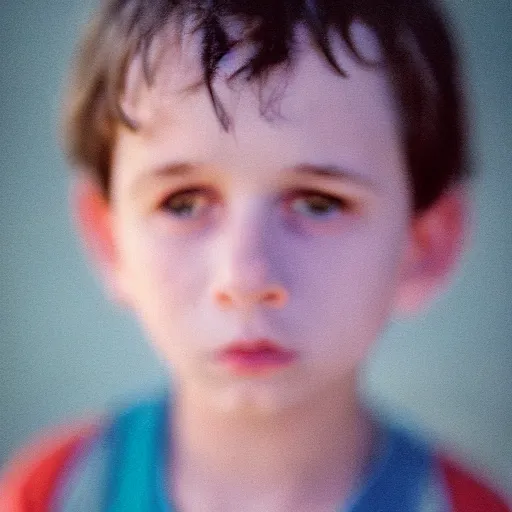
164,278
350,293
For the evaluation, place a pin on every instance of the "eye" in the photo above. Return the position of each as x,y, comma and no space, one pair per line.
317,204
189,203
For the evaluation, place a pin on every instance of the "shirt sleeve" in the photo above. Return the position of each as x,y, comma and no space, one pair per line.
466,493
29,482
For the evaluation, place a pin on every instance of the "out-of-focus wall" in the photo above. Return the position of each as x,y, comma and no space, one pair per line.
65,351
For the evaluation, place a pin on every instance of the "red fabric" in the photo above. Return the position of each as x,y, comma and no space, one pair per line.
29,483
469,495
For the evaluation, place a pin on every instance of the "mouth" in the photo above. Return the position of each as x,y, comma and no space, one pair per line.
253,357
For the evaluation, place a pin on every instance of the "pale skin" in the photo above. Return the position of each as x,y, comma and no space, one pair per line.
297,229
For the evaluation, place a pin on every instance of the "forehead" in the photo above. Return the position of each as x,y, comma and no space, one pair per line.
301,108
174,58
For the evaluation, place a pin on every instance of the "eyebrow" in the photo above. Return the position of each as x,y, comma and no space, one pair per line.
173,169
334,172
165,170
321,171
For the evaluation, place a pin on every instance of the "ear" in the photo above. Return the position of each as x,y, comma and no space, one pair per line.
437,238
93,219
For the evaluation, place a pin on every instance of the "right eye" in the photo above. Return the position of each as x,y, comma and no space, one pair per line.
317,205
187,204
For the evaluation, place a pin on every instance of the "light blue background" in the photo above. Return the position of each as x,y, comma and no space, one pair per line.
65,351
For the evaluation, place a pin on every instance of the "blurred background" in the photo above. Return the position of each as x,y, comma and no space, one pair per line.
66,352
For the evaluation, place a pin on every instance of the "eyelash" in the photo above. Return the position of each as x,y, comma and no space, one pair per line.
326,203
189,193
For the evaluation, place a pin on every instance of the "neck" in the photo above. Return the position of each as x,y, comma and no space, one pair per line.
306,456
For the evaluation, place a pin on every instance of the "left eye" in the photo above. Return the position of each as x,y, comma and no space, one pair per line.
187,203
316,204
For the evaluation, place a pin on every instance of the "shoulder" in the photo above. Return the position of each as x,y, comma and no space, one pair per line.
77,467
466,492
443,485
30,479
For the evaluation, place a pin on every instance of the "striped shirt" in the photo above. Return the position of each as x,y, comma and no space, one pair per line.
120,465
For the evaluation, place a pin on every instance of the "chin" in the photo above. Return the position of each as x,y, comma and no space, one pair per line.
255,399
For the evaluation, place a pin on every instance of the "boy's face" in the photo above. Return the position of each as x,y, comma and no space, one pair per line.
292,229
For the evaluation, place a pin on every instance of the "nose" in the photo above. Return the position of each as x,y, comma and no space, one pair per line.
236,298
247,274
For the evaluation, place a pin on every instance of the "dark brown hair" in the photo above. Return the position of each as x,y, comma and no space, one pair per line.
416,43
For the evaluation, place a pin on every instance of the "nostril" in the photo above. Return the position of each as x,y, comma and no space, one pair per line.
275,297
223,299
271,297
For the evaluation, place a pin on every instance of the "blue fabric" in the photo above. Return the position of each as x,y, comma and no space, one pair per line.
137,437
138,458
398,478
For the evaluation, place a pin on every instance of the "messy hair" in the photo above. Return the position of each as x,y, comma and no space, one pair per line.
417,51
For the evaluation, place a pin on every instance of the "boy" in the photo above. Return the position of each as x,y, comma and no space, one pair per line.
264,184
